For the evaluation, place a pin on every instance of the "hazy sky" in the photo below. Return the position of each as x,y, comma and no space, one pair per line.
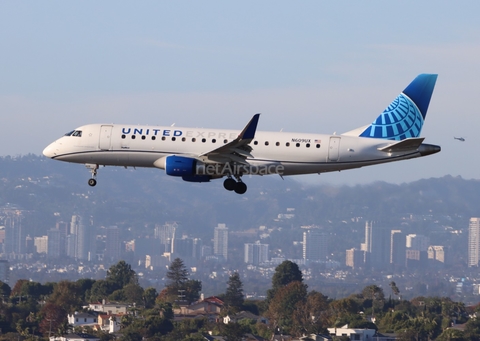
307,66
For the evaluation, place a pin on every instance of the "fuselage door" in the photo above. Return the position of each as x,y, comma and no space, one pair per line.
105,141
333,148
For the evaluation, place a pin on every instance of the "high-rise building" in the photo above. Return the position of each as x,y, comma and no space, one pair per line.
41,244
112,244
85,240
166,234
256,253
438,254
397,248
474,242
417,242
64,229
14,230
315,245
53,243
4,271
355,258
377,245
220,241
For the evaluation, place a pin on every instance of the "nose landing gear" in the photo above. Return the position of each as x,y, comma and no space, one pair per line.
93,169
238,186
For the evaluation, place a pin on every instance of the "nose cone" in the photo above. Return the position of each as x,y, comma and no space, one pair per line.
50,151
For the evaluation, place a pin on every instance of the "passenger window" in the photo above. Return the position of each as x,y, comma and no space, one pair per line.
277,144
153,138
308,145
318,146
266,143
287,144
123,136
225,141
173,138
194,139
214,141
204,140
133,137
298,144
183,139
143,137
255,142
163,138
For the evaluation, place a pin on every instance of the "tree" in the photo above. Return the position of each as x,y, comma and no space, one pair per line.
374,293
5,289
234,294
177,274
394,288
193,288
283,304
53,317
232,331
149,297
66,295
101,289
179,284
121,274
286,273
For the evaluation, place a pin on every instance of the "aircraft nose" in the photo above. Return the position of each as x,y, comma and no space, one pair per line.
50,150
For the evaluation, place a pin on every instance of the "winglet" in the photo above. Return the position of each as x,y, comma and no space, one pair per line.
248,133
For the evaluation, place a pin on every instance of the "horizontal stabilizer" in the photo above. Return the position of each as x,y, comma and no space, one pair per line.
404,145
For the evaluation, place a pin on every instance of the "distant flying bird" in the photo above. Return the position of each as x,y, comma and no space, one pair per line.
459,139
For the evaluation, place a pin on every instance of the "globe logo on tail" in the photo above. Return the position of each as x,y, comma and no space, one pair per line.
399,121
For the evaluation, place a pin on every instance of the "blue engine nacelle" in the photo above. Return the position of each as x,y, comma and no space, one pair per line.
185,167
180,166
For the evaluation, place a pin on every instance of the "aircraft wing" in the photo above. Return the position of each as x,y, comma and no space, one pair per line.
236,150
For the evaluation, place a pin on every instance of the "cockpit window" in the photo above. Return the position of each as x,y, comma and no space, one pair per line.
77,133
70,133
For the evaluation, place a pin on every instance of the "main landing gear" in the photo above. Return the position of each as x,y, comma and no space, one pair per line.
93,169
231,184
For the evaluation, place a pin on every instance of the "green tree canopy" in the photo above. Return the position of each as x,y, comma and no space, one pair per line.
177,273
234,295
67,295
121,274
286,273
5,289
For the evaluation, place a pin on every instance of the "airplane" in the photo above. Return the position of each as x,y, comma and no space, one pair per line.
201,155
459,139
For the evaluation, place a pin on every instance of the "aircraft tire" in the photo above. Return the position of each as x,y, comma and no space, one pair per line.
92,182
229,184
240,188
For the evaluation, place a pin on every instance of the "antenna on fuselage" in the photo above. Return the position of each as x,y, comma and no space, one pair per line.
172,125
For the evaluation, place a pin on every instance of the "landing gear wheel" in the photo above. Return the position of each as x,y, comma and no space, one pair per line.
240,187
229,184
92,182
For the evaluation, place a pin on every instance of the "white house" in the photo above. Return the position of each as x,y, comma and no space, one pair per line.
108,308
352,333
82,319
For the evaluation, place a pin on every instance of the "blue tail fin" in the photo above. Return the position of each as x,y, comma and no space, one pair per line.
404,117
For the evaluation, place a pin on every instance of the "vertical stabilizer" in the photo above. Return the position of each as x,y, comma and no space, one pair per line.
405,116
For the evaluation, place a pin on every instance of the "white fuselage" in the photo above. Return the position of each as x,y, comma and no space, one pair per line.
296,153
